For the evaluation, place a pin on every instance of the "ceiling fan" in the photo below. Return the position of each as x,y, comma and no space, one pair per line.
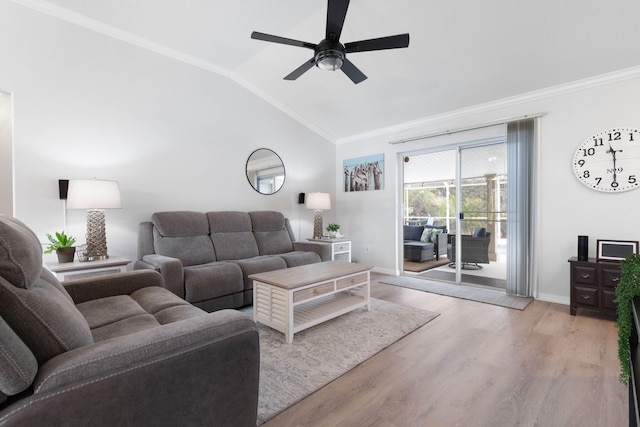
330,54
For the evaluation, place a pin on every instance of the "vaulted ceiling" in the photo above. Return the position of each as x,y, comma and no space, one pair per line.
462,52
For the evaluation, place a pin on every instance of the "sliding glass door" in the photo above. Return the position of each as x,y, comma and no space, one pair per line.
454,220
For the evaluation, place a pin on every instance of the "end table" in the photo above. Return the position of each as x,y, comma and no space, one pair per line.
340,248
76,269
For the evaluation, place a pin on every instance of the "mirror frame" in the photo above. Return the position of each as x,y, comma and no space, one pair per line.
270,166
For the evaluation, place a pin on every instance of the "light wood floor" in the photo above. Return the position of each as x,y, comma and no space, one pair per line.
479,365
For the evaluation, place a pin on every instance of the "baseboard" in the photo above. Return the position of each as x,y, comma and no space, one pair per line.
554,298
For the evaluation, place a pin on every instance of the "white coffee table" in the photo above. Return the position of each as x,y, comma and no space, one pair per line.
294,299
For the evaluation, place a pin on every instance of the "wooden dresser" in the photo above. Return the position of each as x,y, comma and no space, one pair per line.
593,285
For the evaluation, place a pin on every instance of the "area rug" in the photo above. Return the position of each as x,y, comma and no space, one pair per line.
318,355
417,267
487,296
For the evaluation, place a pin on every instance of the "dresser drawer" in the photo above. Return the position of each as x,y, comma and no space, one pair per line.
609,299
305,294
587,297
341,247
586,275
610,278
350,281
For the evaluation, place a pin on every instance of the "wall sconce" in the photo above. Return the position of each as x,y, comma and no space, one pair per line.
95,196
318,202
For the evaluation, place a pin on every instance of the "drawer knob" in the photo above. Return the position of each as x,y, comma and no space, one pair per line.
586,276
615,279
585,297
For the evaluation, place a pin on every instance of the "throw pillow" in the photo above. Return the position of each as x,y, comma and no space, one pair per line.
433,238
426,235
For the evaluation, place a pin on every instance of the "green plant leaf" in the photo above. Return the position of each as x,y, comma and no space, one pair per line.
627,289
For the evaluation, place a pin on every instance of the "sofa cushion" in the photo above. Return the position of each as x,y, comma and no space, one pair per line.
204,282
426,235
259,264
18,365
32,301
296,258
232,235
270,232
181,223
412,232
145,308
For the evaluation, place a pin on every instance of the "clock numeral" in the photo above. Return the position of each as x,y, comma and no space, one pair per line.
581,162
588,152
597,142
631,136
632,179
615,136
598,181
586,174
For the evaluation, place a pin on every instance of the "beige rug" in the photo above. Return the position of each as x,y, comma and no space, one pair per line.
317,356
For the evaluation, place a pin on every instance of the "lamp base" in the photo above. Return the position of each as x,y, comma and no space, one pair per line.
317,224
96,236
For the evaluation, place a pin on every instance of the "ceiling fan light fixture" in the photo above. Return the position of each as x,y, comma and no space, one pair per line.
329,59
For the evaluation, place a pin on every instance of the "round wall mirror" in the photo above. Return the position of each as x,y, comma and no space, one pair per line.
265,171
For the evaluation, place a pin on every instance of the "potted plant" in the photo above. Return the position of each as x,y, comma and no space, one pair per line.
333,229
627,289
63,245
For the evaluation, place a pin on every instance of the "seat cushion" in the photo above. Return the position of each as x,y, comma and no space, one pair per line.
259,264
126,314
212,280
296,258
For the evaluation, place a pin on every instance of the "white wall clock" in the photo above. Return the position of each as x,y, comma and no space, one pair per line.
609,161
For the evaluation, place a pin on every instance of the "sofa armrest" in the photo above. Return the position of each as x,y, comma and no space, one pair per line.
170,268
90,288
200,371
320,248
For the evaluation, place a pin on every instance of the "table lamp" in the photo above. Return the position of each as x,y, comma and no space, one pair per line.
95,196
318,202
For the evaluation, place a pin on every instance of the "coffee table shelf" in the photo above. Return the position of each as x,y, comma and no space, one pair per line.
289,305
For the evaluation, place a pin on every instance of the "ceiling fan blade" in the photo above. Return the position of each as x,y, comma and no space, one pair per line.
301,70
390,42
282,40
336,12
352,71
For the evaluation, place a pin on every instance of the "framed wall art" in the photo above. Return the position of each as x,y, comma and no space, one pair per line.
364,173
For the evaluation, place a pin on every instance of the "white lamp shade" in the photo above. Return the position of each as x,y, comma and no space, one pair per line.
93,194
318,201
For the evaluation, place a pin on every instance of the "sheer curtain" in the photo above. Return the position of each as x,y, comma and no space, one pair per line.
521,160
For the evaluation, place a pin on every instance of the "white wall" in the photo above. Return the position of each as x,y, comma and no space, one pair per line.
6,155
176,137
566,207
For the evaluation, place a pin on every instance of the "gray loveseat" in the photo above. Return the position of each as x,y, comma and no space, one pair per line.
115,350
206,258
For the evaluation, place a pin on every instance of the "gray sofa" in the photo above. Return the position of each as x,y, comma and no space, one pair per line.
206,258
117,349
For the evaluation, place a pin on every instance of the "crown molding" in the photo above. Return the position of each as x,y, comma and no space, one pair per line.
562,89
56,11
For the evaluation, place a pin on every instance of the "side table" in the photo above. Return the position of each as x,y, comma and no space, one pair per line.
76,269
340,248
